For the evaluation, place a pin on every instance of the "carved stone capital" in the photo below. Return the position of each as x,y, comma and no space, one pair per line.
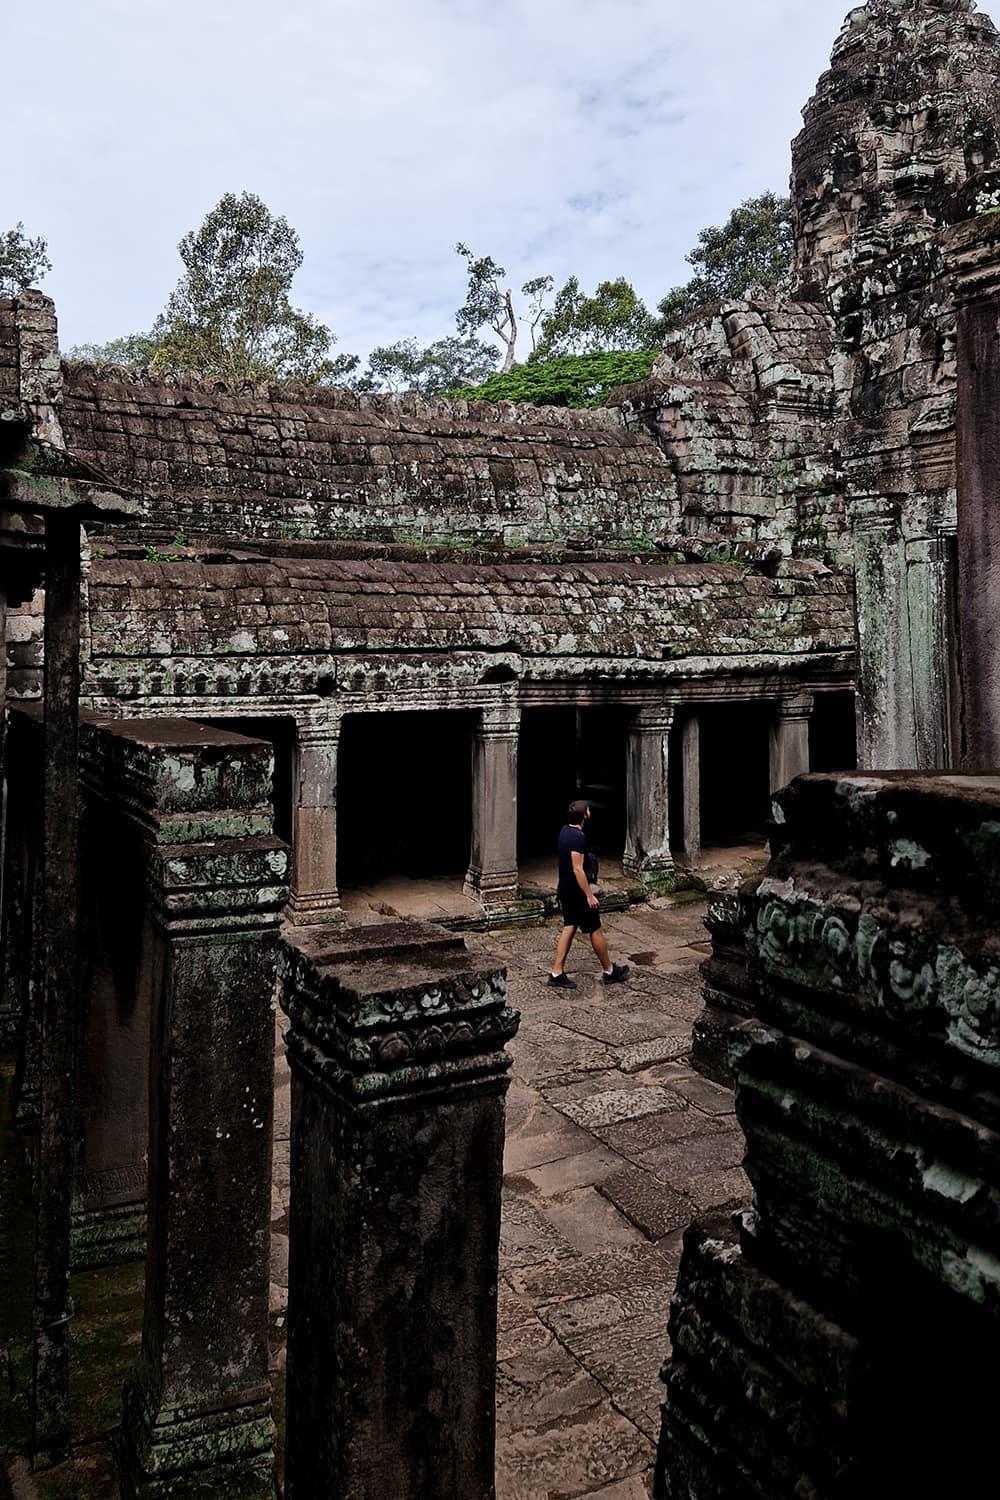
383,1014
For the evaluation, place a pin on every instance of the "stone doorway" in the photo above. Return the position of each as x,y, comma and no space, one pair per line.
833,733
404,799
735,772
569,752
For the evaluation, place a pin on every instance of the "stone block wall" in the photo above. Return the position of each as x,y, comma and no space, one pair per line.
292,461
835,1341
742,400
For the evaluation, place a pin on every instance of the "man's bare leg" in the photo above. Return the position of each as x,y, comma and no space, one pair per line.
599,943
562,950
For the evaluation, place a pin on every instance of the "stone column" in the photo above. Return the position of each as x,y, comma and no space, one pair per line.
790,739
886,736
647,847
56,1133
314,896
399,1070
691,787
197,1413
492,873
978,292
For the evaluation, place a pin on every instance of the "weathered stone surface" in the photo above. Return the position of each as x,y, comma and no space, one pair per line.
866,1086
398,1076
614,1105
646,1202
292,461
197,1417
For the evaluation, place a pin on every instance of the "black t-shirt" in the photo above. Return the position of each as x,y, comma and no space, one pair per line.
571,838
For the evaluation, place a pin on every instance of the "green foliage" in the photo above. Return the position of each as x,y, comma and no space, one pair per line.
614,318
230,315
429,370
754,246
23,262
571,380
153,554
135,351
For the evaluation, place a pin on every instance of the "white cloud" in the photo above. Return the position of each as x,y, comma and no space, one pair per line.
587,137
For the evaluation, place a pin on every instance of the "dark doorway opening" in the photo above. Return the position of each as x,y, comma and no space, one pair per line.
404,796
833,742
563,754
280,734
735,771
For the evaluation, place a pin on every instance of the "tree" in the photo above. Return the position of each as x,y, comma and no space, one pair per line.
135,351
613,318
489,304
754,246
430,370
231,315
23,262
571,380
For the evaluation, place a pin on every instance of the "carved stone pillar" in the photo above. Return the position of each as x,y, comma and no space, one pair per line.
976,250
399,1070
691,787
647,847
790,740
314,896
197,1412
492,873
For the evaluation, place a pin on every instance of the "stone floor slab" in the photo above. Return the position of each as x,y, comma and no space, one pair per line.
590,1222
642,1266
528,1237
654,1208
615,1105
634,1059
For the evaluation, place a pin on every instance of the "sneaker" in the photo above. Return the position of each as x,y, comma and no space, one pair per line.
619,973
561,982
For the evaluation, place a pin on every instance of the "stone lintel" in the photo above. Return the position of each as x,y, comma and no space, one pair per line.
974,252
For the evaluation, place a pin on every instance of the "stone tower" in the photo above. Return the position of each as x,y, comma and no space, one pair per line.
908,109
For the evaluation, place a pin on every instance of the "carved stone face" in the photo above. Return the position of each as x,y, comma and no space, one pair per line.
909,107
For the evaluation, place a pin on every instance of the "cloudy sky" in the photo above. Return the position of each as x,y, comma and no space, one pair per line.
587,137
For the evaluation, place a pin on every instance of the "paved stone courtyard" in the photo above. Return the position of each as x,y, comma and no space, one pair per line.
613,1145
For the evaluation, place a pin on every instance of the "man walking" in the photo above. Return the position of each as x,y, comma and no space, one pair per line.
578,903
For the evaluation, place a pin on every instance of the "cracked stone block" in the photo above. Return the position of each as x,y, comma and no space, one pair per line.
527,1237
609,1271
618,1028
647,1054
652,1206
621,1104
633,1138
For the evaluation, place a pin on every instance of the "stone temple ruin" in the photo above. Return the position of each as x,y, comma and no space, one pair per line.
294,606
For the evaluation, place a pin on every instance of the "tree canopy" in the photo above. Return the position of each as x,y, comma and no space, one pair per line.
23,261
615,317
231,313
753,247
489,304
430,369
568,380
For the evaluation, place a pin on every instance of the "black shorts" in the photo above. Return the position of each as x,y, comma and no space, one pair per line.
576,912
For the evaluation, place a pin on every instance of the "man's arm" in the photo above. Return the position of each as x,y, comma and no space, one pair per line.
581,878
